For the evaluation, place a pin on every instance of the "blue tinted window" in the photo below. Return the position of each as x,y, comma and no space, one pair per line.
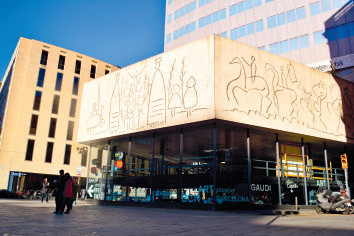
326,5
257,3
294,44
169,18
281,19
342,31
192,25
338,3
193,6
250,29
242,31
330,34
269,1
283,47
175,34
304,41
208,20
222,14
259,26
181,32
241,7
249,4
315,8
234,34
232,10
168,38
318,38
41,75
224,34
273,48
301,13
169,2
215,17
262,48
201,3
201,23
351,28
272,22
187,29
59,82
291,16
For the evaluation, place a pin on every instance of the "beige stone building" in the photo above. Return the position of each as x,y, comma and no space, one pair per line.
40,108
220,124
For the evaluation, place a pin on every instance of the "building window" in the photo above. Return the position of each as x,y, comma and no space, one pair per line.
49,154
93,71
37,100
301,13
41,75
184,30
61,62
67,154
53,124
233,10
106,72
33,127
99,158
204,2
326,5
291,16
55,106
168,38
342,31
76,85
69,135
304,41
185,10
262,48
234,34
78,67
269,1
259,26
281,20
318,38
242,31
351,28
272,22
283,47
169,18
84,156
315,8
240,7
330,34
294,44
250,29
29,151
224,34
257,3
73,107
273,48
212,18
248,4
44,57
59,81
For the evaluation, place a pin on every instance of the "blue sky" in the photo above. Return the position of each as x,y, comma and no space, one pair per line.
120,32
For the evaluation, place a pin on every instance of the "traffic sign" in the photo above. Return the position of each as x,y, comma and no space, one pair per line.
78,175
344,161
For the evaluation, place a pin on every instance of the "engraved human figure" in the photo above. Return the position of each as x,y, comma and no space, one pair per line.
190,98
175,100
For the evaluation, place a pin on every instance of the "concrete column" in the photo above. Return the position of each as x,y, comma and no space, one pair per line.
278,168
304,170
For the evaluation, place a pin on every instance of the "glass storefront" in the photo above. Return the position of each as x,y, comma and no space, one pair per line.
220,166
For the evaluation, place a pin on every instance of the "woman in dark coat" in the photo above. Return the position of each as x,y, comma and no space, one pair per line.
67,194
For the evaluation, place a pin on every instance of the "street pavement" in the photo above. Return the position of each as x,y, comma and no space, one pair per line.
31,217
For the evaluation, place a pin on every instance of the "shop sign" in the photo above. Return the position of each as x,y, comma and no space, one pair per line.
338,63
92,180
261,187
225,195
119,155
93,170
290,184
321,183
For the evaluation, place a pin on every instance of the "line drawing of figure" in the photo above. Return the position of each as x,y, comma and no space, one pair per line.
243,89
348,111
190,98
114,107
175,100
95,119
157,97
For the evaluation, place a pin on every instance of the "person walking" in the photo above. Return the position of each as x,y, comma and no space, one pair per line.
58,193
45,189
67,194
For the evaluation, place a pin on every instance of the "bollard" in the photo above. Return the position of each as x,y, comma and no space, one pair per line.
296,206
